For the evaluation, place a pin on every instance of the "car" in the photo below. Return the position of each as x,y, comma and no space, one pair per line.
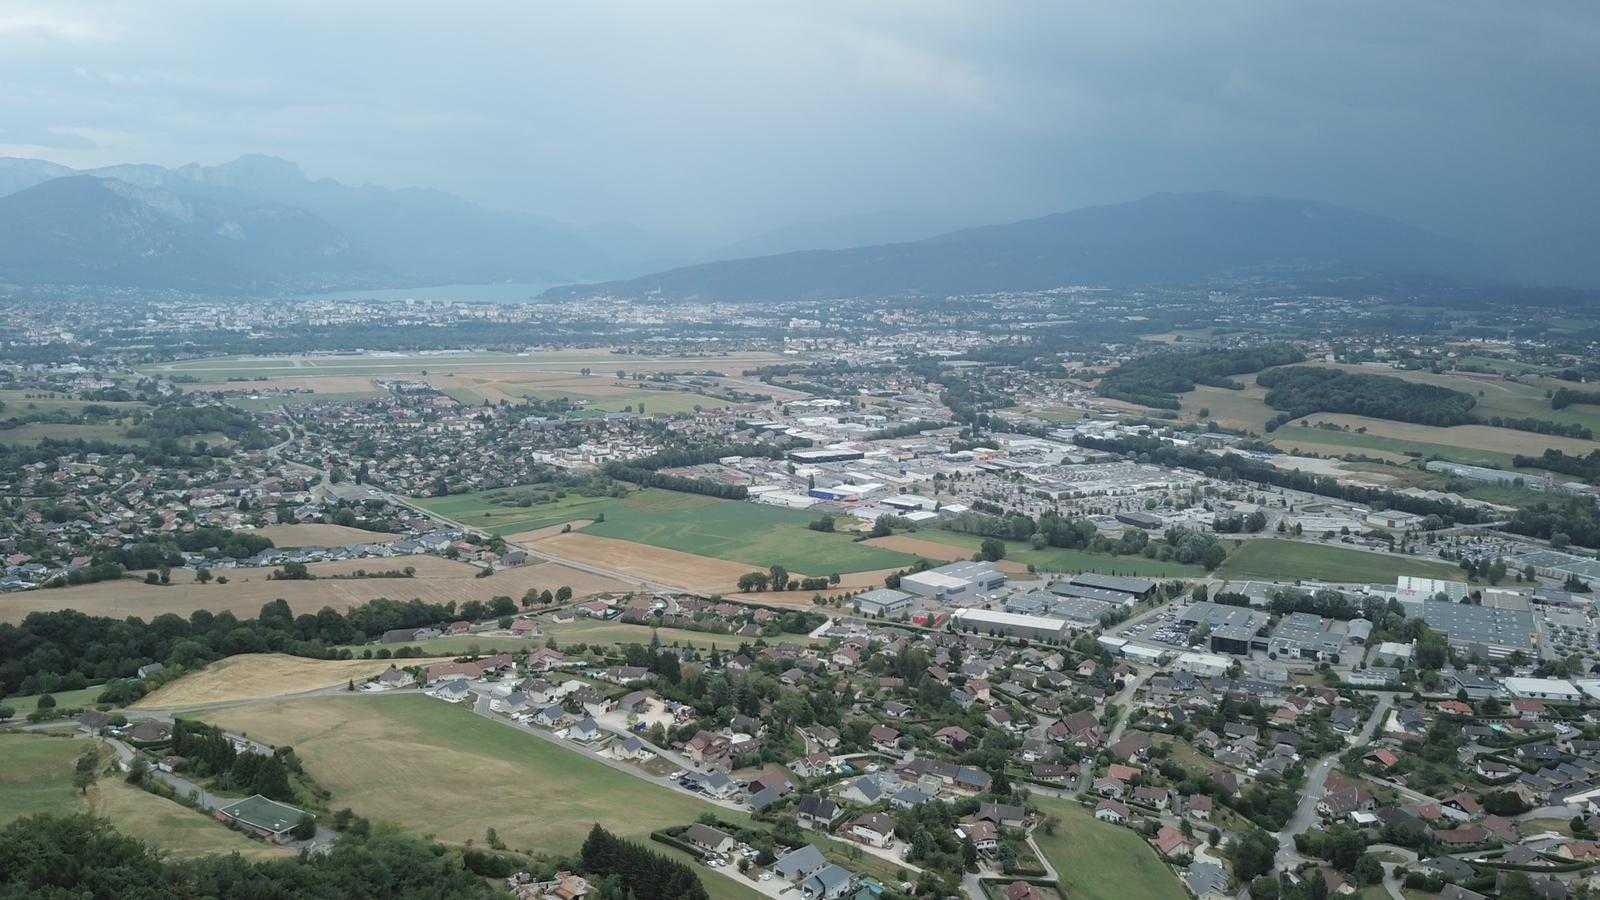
765,876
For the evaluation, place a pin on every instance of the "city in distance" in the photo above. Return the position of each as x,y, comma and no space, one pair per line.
842,452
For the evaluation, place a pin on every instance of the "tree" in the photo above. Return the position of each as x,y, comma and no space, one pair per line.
202,575
84,772
563,594
45,702
1252,853
992,550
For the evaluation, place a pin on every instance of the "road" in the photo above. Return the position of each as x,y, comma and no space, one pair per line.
1305,814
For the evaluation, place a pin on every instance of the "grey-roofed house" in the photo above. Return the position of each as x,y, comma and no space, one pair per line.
799,862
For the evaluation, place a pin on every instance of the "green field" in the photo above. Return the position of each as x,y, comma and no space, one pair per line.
1282,560
585,631
36,774
1061,559
261,404
654,401
23,705
19,403
1290,435
439,769
478,511
740,531
1097,861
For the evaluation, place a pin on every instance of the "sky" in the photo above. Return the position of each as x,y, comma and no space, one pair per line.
716,121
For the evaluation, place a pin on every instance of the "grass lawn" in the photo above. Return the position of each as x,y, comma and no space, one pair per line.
740,531
259,404
655,402
437,768
1273,559
1061,559
23,705
478,511
1097,861
36,774
592,632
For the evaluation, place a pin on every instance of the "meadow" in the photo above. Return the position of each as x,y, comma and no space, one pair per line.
1273,559
438,769
1097,861
478,511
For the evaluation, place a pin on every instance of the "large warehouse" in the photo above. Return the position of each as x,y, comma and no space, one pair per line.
1496,632
996,623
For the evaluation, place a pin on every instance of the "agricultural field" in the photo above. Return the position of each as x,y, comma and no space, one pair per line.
739,531
1458,439
437,580
1246,409
1061,559
1266,558
1097,861
261,676
34,432
478,511
565,361
1328,442
591,631
439,769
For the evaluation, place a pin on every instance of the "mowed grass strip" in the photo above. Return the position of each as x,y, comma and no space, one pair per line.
439,769
1061,559
1329,440
1273,559
1097,861
23,705
740,531
182,832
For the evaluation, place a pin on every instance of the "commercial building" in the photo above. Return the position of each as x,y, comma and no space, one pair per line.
1556,690
826,455
998,623
1305,636
1234,629
1205,665
1409,588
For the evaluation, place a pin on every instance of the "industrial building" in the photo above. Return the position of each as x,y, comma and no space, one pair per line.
1205,665
1080,611
956,581
1234,629
1555,690
1137,588
826,455
883,602
1496,633
1409,588
995,622
1305,636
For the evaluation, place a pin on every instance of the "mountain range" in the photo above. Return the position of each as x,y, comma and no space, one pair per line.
259,225
1161,239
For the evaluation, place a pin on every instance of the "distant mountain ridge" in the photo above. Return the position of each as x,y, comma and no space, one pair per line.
220,228
1164,238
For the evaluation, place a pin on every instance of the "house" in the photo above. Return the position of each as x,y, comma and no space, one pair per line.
453,691
953,736
816,811
864,790
1002,815
798,863
1155,797
1112,811
146,671
1200,806
983,835
706,748
1022,890
884,739
585,730
1170,842
1457,892
550,716
149,731
814,765
876,829
717,784
630,747
1206,881
708,840
828,883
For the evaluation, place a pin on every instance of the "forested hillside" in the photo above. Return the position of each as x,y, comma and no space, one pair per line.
1157,380
1303,390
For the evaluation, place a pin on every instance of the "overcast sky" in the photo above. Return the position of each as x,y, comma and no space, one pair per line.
717,120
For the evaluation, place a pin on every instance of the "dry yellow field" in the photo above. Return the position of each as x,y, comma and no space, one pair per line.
319,535
1336,450
1471,437
935,550
261,676
539,534
659,564
437,581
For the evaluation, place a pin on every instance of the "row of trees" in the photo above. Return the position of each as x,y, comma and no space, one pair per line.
645,874
80,856
73,647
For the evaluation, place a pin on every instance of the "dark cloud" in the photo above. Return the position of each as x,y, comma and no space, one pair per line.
1478,119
